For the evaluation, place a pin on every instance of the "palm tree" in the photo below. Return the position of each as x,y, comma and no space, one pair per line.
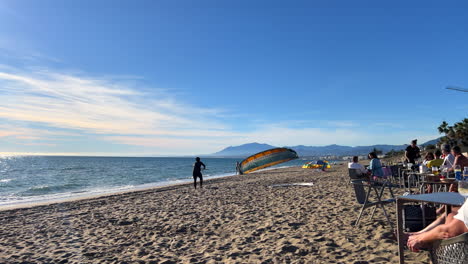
456,134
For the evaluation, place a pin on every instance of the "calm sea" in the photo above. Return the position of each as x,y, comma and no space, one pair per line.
27,179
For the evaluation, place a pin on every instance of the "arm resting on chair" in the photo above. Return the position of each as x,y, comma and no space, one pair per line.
448,230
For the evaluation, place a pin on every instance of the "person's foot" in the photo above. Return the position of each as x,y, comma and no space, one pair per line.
405,236
416,242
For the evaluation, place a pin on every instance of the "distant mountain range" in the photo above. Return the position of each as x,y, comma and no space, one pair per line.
304,151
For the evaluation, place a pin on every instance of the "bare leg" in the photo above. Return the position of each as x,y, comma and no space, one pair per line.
195,182
441,210
439,221
201,181
453,187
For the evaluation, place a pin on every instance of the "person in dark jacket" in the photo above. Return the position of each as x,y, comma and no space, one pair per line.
412,152
197,172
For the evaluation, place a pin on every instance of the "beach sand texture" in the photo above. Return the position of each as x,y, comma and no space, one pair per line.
239,219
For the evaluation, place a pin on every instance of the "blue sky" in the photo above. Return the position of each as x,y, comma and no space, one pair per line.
188,77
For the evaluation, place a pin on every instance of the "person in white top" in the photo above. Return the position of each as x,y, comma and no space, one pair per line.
356,165
456,223
449,159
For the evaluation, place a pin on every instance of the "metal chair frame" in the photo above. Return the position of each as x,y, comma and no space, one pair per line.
362,196
450,251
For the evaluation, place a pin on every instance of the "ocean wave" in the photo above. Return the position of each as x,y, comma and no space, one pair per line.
17,199
46,193
5,180
46,189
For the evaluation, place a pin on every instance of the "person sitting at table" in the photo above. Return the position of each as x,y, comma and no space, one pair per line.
375,166
460,159
437,161
429,156
359,167
449,159
456,223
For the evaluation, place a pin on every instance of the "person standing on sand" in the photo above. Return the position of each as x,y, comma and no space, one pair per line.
197,172
412,152
238,169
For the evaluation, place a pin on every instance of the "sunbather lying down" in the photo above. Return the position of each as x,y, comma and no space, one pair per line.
456,223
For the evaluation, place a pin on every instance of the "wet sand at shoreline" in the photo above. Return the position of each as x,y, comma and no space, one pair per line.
238,219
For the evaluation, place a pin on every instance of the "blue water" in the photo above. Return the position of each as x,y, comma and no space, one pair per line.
26,179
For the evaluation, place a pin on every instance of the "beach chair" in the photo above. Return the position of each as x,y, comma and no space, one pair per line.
363,190
355,174
450,251
395,177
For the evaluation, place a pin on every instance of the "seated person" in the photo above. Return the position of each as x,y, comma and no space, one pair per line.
375,166
456,223
437,161
460,159
449,159
429,157
355,165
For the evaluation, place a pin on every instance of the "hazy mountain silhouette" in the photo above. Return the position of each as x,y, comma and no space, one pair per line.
337,150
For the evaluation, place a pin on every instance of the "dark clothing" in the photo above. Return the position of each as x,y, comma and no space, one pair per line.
238,169
195,180
197,168
413,153
197,173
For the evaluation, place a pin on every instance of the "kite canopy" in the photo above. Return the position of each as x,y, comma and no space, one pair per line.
267,158
319,164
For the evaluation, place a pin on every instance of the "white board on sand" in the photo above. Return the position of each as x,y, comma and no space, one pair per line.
293,184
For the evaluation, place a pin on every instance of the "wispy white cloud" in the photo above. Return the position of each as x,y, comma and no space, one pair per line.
37,144
98,106
388,124
343,123
116,110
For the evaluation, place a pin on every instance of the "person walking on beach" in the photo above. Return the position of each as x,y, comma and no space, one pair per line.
197,172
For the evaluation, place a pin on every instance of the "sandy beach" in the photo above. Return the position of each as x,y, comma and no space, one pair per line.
238,219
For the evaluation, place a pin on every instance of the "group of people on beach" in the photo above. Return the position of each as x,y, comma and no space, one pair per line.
446,158
446,226
374,169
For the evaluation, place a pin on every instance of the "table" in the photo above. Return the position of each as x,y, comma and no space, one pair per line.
417,175
437,184
445,198
401,175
